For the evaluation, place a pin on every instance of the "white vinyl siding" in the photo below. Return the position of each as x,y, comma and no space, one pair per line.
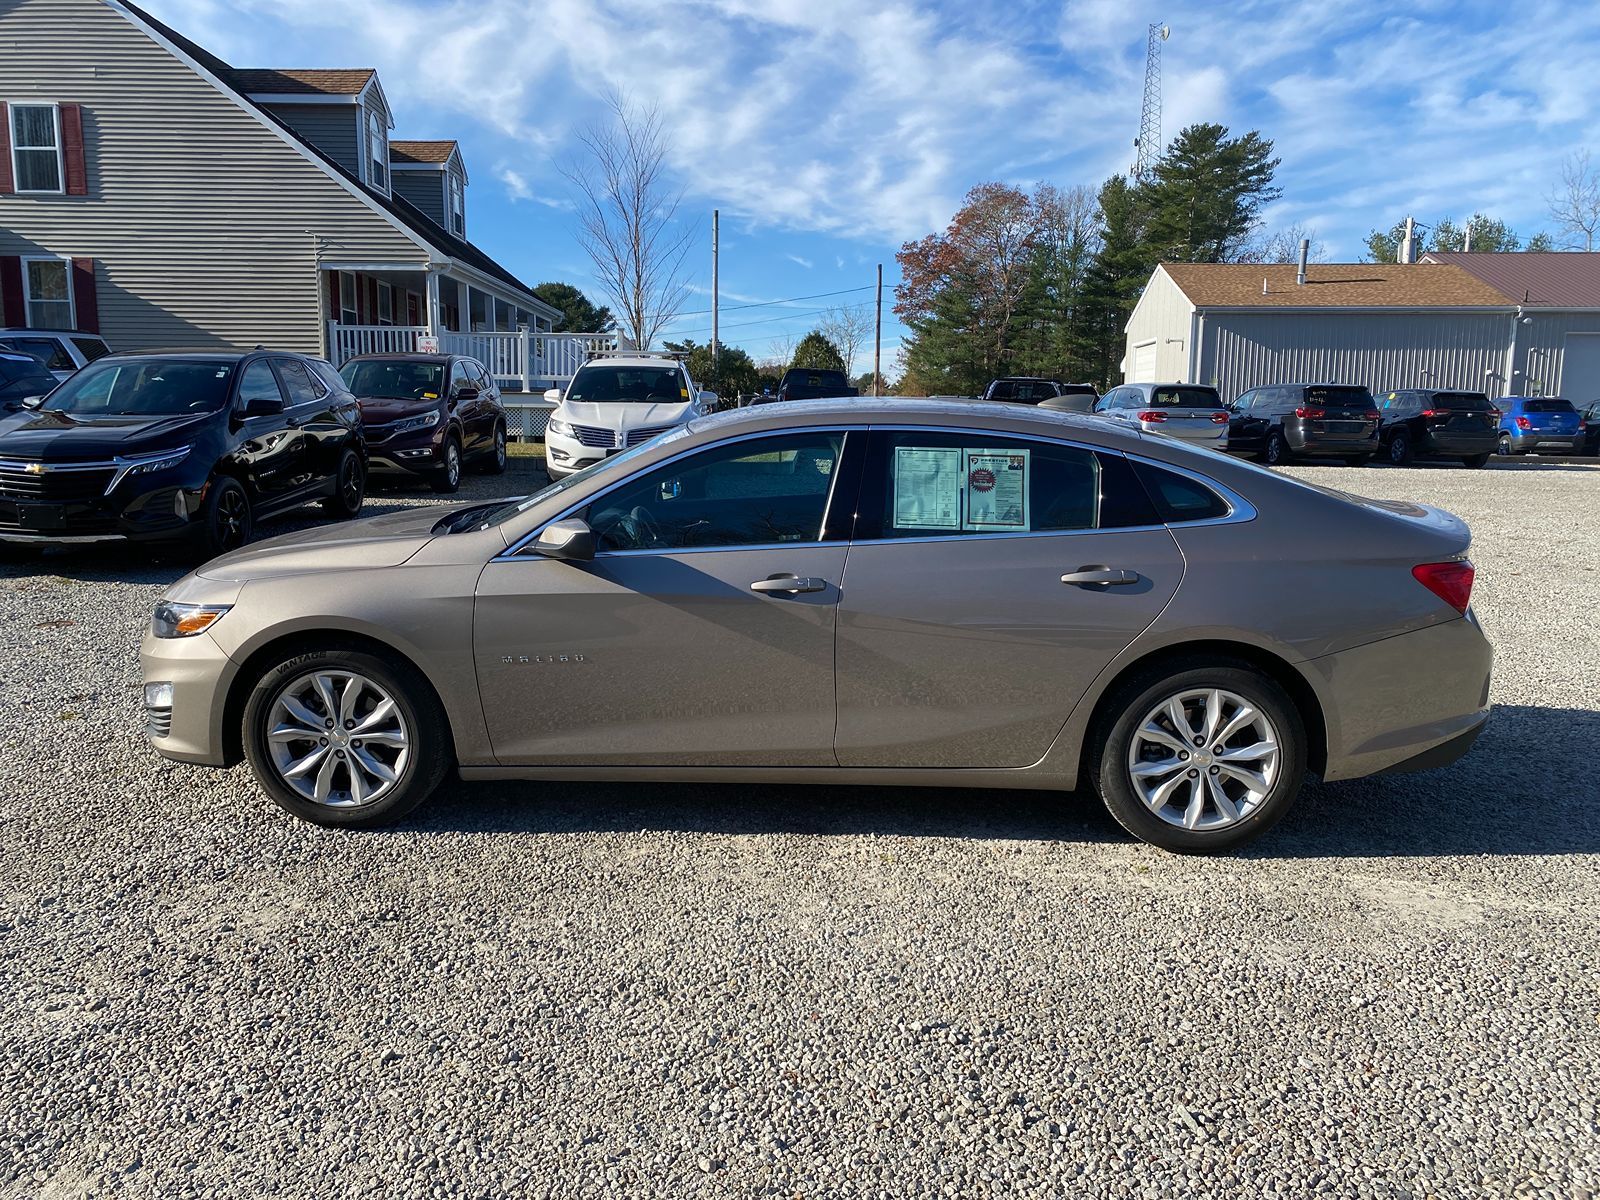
47,288
36,164
208,226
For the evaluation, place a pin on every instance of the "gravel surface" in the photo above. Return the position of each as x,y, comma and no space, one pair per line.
609,990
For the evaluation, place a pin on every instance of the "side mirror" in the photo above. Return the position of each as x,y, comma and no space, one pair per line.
571,540
553,396
708,399
32,401
466,392
262,406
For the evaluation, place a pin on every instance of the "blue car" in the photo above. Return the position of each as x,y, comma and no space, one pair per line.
1539,425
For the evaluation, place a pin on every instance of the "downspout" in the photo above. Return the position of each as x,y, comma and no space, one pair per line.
1194,344
1511,355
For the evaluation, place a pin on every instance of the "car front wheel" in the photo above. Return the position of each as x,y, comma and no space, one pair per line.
1199,759
1477,460
226,518
339,737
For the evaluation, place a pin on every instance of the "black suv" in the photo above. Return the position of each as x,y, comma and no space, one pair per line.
1429,423
22,377
427,414
803,383
1052,393
188,447
1285,421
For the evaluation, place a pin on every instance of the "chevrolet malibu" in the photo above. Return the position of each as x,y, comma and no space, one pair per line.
849,592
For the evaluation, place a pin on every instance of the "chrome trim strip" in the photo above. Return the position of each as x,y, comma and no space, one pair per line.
120,465
1240,510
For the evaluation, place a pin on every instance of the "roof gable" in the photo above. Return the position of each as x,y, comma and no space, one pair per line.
1552,280
1332,285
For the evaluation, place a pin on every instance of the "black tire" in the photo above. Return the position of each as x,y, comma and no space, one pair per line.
448,477
349,488
429,754
1357,460
226,518
1475,461
1108,767
1277,452
1400,449
494,461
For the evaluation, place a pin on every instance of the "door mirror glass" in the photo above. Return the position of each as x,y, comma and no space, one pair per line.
570,540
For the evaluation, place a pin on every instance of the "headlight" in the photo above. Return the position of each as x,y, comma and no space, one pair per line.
426,421
559,427
185,620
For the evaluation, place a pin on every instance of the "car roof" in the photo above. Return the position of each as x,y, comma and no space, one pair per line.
634,360
404,356
18,356
893,410
13,329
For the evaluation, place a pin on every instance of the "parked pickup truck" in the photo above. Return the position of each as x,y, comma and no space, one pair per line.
805,384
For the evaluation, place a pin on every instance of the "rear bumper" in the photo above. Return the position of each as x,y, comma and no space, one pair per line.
1313,445
1463,445
1404,703
1546,443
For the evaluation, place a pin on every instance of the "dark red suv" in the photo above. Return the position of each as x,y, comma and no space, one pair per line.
428,415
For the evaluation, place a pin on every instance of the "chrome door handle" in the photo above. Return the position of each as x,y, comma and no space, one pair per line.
788,584
1100,577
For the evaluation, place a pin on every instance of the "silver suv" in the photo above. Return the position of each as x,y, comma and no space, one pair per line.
1191,411
61,351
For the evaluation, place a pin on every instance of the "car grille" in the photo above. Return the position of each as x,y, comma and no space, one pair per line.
18,482
589,435
646,432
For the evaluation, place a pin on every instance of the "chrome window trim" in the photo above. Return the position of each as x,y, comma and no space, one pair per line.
1240,510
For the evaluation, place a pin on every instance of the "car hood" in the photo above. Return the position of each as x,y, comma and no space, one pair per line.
57,437
385,541
380,410
630,415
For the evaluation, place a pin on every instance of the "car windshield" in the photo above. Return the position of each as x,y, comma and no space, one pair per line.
393,379
1340,397
1184,397
1548,406
144,387
482,516
627,385
1463,402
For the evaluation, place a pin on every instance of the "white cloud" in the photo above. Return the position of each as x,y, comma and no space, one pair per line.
804,262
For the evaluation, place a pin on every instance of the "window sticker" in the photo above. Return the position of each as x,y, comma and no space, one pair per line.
927,488
997,489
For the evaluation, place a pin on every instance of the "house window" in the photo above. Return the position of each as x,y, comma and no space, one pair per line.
385,304
377,151
47,287
458,207
349,314
36,148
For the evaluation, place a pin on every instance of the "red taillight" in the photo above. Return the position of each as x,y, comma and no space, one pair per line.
1373,414
1153,415
1219,418
1524,423
1450,581
1312,414
1430,412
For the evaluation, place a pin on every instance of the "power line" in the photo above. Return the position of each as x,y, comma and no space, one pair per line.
682,333
703,312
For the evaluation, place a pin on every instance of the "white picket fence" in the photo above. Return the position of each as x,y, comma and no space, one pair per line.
519,360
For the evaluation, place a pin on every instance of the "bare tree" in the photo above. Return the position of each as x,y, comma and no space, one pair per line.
780,351
848,327
627,220
1281,247
1575,202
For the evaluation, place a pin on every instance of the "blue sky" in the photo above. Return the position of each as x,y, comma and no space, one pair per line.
830,131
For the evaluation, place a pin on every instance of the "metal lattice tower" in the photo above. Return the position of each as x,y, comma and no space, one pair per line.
1148,144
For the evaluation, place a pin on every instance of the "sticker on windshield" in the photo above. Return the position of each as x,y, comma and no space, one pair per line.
927,488
997,489
430,395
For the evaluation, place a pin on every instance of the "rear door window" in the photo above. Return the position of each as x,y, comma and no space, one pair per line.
1179,498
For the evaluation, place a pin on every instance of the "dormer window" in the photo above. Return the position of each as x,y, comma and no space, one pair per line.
458,206
377,151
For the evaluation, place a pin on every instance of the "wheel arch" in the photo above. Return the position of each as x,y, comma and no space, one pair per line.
261,659
1214,651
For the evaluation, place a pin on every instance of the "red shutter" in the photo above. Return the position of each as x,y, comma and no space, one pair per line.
13,308
333,294
7,184
72,149
85,305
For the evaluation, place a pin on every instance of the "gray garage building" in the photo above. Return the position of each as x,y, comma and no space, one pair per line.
1506,324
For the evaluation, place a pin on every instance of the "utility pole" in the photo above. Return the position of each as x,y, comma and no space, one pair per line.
714,218
877,334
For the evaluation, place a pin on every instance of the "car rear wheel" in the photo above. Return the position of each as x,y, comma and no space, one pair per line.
339,737
1278,453
1505,444
226,519
1400,449
349,490
448,477
1475,461
1199,759
494,462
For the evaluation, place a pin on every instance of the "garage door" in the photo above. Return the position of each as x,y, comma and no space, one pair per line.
1144,364
1580,368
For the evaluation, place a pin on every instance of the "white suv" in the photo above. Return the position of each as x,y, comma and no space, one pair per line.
616,401
61,351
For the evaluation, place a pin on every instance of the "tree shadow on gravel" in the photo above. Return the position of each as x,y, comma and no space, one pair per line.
1525,788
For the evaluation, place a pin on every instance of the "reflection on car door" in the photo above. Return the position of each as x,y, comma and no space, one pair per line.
310,410
270,452
682,642
960,645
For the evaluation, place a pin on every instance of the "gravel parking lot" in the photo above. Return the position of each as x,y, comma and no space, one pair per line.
626,990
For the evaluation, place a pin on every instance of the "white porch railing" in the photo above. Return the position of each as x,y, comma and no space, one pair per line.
521,359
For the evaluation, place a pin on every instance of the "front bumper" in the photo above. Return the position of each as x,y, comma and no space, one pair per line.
564,454
200,674
1404,698
419,452
160,515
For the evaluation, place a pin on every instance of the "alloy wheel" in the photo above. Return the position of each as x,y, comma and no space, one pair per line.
337,739
452,464
350,484
500,447
233,516
1204,759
